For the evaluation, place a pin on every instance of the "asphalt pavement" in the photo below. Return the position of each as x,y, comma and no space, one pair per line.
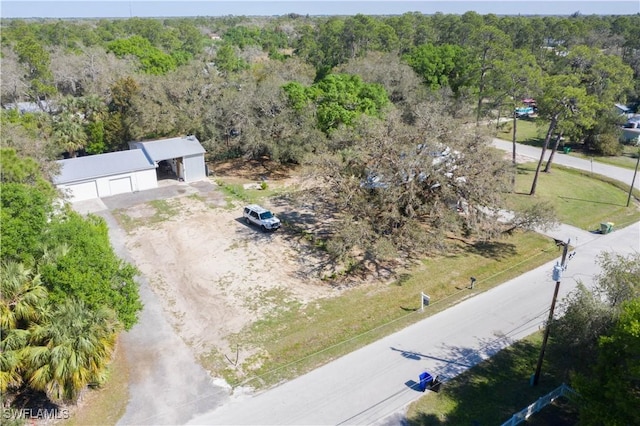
617,173
374,384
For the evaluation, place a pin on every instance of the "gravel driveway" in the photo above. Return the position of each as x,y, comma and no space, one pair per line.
167,385
202,269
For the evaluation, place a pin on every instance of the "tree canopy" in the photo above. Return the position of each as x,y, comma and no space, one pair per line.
152,60
598,341
376,108
339,99
391,188
610,392
64,292
440,66
290,89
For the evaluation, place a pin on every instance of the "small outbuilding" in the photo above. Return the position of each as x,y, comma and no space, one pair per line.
138,169
96,176
181,158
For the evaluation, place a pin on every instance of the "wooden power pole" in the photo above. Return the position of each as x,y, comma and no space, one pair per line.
557,275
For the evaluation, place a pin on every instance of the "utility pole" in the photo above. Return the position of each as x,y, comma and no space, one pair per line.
635,172
557,275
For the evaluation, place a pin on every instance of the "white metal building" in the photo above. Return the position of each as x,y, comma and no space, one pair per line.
184,155
138,169
103,175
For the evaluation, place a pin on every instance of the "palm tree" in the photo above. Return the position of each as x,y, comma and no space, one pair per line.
23,296
69,133
50,255
22,301
71,349
94,108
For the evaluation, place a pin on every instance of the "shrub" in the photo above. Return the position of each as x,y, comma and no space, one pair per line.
606,144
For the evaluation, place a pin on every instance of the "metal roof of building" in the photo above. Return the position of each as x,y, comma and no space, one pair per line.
623,108
165,149
95,166
30,107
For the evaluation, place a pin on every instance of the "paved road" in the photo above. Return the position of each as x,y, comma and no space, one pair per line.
618,173
373,385
376,382
364,387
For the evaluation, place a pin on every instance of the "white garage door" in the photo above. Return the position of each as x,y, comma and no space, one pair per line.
83,191
120,185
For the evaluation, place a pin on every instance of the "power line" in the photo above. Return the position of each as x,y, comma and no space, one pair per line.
434,303
440,301
437,372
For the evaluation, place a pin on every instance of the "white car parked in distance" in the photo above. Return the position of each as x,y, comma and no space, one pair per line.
261,217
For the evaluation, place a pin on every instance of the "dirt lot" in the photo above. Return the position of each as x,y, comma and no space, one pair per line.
213,273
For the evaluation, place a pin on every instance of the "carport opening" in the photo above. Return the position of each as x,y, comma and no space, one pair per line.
171,169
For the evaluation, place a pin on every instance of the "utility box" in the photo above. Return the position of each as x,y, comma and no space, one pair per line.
605,228
557,273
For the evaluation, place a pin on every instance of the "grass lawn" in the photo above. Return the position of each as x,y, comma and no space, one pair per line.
295,339
627,159
492,391
529,131
579,200
298,339
234,190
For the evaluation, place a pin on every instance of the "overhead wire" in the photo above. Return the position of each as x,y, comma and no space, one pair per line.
400,318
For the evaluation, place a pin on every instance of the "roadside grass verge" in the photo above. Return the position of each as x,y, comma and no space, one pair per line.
581,199
297,339
493,390
532,131
627,159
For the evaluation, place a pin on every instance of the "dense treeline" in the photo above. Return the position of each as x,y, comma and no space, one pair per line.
597,342
183,70
323,91
64,293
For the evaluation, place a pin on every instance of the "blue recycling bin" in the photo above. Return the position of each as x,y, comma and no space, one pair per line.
425,380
